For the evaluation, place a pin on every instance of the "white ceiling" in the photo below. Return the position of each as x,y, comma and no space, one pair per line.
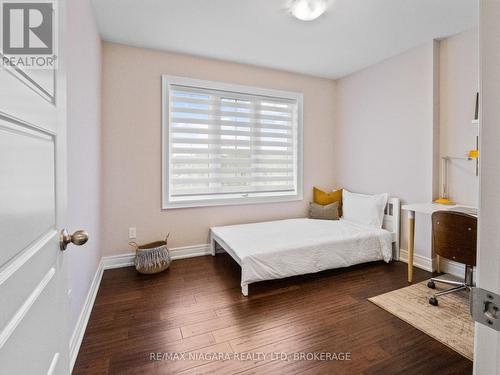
351,35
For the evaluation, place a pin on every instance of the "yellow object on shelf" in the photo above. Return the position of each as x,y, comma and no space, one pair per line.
444,201
473,154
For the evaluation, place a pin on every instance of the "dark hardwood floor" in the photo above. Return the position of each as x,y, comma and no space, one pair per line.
197,306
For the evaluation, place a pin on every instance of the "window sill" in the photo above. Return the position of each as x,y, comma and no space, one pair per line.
232,201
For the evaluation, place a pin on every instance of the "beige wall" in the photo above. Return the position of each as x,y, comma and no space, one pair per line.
459,82
132,145
386,131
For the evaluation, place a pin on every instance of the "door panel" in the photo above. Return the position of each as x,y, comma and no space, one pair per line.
17,94
24,349
27,187
42,80
19,281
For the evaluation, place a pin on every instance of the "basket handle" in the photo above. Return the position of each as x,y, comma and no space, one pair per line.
134,245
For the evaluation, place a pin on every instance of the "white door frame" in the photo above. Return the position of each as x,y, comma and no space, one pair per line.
487,340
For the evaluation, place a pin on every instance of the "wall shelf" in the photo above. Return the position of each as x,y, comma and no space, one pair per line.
457,158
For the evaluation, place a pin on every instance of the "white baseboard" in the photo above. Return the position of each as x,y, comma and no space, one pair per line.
127,259
453,268
118,261
419,261
190,251
425,263
83,318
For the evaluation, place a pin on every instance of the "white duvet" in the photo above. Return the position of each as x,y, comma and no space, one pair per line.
277,249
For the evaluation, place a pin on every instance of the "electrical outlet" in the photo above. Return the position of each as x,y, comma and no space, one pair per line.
132,232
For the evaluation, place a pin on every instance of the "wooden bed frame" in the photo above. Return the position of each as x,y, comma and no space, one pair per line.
391,223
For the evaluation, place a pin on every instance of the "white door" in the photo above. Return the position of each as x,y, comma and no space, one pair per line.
487,340
33,285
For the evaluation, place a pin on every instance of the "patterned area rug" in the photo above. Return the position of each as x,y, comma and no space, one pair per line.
449,322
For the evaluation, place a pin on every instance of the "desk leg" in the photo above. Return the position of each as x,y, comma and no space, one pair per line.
212,245
411,243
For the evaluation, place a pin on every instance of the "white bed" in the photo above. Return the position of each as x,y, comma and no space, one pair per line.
282,248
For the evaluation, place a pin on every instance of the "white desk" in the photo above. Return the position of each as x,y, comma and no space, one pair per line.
424,208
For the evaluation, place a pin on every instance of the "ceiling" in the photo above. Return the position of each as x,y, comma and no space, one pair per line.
350,36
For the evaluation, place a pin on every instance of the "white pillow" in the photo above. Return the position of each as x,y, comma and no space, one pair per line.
364,209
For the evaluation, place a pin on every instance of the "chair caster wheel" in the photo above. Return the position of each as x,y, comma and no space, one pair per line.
433,301
431,285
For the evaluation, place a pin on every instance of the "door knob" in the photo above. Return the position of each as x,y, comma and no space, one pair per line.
78,238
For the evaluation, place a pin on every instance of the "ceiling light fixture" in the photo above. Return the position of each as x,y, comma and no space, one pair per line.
307,10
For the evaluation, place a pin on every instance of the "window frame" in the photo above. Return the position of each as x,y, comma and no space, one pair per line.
252,198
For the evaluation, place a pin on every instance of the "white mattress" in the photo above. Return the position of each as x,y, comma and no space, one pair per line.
277,249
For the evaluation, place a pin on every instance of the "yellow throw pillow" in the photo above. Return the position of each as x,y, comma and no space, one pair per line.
324,198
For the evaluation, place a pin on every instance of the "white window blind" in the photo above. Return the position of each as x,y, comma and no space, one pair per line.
230,144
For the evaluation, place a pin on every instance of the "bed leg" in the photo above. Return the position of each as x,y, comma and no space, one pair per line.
244,290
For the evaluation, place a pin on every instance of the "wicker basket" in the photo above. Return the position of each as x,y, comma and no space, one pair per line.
151,257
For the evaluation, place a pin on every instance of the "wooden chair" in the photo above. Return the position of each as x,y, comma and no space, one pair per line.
454,237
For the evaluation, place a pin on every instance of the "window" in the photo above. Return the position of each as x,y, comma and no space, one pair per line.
227,144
